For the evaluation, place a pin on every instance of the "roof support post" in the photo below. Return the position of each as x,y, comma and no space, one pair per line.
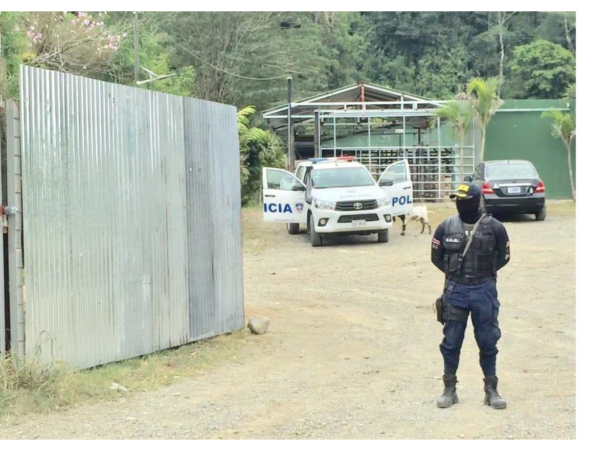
439,139
334,138
369,143
317,135
291,153
404,137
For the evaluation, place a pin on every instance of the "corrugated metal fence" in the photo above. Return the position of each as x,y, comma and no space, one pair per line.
131,210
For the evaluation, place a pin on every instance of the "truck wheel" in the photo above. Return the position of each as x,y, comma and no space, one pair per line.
293,228
541,215
315,238
383,236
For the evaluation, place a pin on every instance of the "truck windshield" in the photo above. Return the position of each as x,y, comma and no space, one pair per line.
341,177
510,170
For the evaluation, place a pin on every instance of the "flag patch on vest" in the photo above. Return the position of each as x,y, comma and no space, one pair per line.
435,241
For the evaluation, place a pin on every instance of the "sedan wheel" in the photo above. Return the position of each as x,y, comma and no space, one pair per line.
541,215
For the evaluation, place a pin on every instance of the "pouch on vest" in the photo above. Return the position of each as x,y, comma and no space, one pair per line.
439,310
452,261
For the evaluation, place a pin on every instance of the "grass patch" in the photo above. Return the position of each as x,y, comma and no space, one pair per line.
33,387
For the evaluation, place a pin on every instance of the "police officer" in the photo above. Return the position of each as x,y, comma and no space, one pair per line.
469,248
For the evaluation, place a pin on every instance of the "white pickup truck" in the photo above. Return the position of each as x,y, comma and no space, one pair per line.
336,195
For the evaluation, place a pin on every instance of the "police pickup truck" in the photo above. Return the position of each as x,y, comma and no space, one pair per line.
336,196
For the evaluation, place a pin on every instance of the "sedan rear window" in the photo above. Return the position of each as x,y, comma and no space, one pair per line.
511,170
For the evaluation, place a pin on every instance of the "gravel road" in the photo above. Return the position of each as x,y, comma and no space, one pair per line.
352,350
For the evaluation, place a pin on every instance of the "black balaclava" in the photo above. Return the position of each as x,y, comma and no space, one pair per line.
468,208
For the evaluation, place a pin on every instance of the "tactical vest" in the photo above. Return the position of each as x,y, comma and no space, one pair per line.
479,263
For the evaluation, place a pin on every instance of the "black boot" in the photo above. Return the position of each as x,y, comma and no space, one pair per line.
449,396
492,398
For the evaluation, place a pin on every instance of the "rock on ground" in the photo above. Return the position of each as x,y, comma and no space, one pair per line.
259,325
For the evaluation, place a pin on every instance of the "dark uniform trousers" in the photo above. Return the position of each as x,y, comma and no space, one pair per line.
481,301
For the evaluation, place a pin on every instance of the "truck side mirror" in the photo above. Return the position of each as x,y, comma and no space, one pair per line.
468,179
298,187
386,183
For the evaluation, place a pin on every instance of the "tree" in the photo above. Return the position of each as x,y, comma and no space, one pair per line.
258,149
153,57
460,115
93,44
541,70
420,52
503,17
344,44
563,128
244,57
483,95
13,44
560,28
78,43
570,93
569,25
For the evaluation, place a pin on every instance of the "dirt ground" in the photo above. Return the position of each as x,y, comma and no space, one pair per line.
352,351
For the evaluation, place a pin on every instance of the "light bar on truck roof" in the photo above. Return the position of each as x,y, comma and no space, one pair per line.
336,159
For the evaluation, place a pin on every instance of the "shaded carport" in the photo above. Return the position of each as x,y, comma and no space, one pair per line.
378,126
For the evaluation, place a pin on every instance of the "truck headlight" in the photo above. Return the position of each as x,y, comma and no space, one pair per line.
323,204
385,201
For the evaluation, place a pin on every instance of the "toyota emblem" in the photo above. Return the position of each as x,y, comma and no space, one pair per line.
358,205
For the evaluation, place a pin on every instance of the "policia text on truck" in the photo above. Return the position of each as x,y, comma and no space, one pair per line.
469,248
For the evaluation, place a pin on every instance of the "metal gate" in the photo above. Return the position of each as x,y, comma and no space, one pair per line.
434,156
131,220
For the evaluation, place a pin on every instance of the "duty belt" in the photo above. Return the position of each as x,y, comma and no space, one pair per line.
461,279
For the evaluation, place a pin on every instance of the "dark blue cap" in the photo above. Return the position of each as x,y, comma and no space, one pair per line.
465,191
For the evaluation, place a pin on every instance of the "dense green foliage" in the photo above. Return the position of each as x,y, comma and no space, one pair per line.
542,70
13,48
97,45
243,57
258,149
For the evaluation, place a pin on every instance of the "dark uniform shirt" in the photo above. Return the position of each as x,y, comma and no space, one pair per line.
502,244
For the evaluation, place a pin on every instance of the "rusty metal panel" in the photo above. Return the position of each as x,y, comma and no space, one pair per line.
107,234
214,219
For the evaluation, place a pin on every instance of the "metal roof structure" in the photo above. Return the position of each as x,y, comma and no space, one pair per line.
356,100
377,126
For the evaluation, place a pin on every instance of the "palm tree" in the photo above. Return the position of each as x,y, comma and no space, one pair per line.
484,98
563,127
459,114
